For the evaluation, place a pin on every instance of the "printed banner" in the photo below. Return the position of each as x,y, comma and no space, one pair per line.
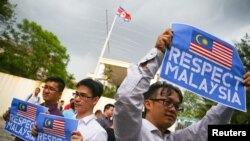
205,65
22,117
51,127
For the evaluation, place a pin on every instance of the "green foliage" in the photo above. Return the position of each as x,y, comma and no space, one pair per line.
244,52
109,91
202,109
7,13
194,105
32,52
6,10
242,117
107,72
188,104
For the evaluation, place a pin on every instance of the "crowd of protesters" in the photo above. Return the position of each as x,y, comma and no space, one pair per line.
123,120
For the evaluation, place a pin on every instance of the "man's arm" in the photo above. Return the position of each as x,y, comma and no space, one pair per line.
29,96
129,97
218,114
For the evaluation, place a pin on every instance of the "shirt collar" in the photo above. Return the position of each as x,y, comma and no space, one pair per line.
87,119
52,106
153,128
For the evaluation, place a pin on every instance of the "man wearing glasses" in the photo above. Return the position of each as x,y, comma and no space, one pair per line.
161,101
52,92
88,93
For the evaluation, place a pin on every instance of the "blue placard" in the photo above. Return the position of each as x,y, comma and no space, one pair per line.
51,127
22,117
205,65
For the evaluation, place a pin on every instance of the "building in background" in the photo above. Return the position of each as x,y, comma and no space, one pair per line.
112,72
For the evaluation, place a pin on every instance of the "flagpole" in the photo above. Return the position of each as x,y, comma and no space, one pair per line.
104,48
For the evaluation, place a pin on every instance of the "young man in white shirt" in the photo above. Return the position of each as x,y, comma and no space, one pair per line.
88,93
161,101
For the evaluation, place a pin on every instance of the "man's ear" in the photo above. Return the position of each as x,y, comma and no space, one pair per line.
96,99
60,95
147,104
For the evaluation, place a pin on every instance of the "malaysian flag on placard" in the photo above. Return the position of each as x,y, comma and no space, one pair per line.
54,127
27,111
124,14
211,49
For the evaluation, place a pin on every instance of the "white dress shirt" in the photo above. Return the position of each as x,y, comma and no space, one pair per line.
33,99
91,130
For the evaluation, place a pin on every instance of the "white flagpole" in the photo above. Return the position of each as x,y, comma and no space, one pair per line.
104,48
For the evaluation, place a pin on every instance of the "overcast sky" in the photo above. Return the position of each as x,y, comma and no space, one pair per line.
80,25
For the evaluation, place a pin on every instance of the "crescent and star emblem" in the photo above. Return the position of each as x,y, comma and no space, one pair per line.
204,41
21,106
47,122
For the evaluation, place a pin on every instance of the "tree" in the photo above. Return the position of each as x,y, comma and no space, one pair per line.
109,88
6,13
109,91
32,52
244,52
194,106
189,108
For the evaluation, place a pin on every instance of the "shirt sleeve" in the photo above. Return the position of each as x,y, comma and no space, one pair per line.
129,97
219,114
28,97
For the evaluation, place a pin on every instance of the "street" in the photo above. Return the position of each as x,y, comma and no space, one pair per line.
4,136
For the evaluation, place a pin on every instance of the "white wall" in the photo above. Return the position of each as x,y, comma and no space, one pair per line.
13,86
18,87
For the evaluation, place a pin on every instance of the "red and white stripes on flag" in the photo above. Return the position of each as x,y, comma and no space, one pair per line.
219,53
27,111
124,14
57,128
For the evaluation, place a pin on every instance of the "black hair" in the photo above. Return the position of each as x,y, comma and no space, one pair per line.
98,111
96,87
71,99
58,80
107,106
37,88
168,89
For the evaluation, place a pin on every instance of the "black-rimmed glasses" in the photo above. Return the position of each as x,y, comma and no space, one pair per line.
49,88
168,103
81,96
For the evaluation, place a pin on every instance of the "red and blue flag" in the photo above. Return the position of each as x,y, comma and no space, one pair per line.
124,14
54,127
211,49
27,111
